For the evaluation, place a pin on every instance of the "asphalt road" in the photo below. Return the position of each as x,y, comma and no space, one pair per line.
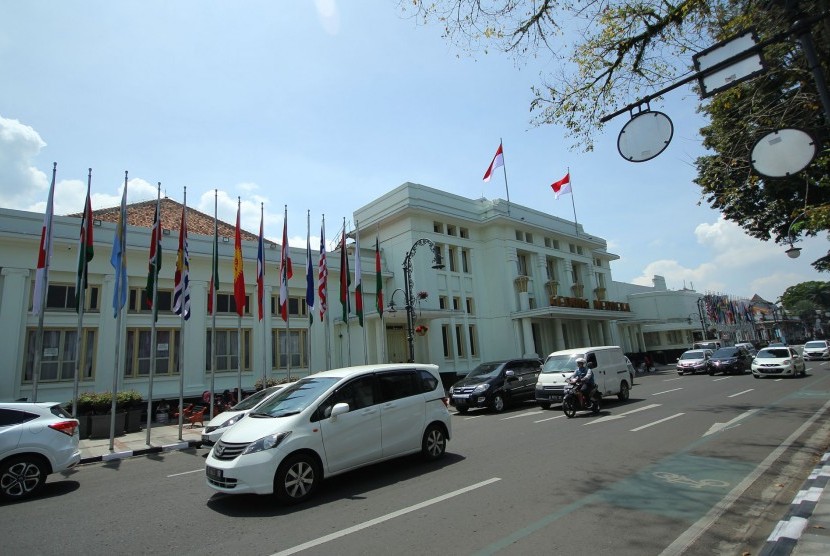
692,464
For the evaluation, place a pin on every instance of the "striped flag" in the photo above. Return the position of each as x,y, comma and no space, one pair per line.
309,275
118,259
238,274
86,249
181,287
358,277
260,264
562,186
44,253
286,270
322,272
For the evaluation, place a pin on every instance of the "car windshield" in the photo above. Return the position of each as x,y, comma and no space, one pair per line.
726,352
251,401
820,345
774,353
296,397
561,363
486,369
692,355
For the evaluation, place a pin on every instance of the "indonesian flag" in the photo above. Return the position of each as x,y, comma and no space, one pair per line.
498,160
562,186
45,250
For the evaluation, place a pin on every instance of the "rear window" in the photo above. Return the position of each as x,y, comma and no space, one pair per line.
428,381
693,355
727,352
820,345
10,417
397,384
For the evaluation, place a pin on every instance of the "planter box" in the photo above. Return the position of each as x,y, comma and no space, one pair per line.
83,428
132,421
100,425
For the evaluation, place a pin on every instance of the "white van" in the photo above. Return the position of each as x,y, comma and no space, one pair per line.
607,363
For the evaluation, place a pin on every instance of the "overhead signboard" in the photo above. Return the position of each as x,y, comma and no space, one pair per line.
728,63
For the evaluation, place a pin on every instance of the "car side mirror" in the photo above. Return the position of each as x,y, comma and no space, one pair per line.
339,409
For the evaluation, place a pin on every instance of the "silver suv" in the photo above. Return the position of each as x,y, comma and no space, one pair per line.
816,349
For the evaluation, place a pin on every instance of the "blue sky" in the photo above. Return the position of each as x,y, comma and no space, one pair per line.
323,106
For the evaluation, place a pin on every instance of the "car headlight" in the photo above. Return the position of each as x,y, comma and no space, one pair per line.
233,420
266,443
481,388
452,389
540,386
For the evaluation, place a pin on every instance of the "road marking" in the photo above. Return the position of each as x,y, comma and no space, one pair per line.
717,427
740,393
686,481
657,422
381,519
550,418
721,378
671,379
621,415
667,391
186,473
528,414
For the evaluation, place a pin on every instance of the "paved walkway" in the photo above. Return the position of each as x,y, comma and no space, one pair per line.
163,438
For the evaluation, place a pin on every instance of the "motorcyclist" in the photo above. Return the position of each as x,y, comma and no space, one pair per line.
583,377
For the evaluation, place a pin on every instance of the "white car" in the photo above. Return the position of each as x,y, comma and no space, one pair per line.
694,361
36,440
329,423
778,361
816,349
219,424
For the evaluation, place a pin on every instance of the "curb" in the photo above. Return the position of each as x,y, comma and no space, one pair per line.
144,451
787,532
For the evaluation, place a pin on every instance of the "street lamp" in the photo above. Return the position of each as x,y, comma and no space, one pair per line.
701,315
409,289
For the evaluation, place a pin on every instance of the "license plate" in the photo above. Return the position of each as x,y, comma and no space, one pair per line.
205,438
214,473
460,396
556,398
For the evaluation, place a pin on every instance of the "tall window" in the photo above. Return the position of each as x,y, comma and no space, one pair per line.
225,303
59,354
294,343
138,352
459,340
451,255
465,260
227,351
61,297
473,334
522,265
446,339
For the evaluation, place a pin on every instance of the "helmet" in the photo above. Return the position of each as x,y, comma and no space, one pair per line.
580,360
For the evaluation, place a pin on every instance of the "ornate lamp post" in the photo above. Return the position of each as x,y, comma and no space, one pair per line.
701,311
409,288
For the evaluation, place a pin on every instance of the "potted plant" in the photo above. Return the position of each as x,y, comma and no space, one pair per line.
102,416
130,402
85,410
421,329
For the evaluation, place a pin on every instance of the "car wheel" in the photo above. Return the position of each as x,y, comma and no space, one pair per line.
498,403
296,479
755,376
680,373
624,392
21,477
544,405
434,444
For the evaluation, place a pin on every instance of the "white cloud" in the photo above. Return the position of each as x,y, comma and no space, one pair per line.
21,183
328,15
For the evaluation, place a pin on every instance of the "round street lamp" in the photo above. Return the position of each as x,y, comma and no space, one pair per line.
409,289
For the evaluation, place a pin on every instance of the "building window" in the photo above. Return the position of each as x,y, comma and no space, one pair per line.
58,355
550,267
528,237
520,235
470,303
651,339
451,230
227,350
456,303
138,352
465,260
61,297
442,301
464,233
473,341
522,264
459,340
297,306
438,227
139,301
294,343
676,337
451,255
226,303
446,339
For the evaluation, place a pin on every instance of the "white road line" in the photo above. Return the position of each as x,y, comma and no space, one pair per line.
656,422
721,378
740,393
186,473
667,391
550,418
381,519
671,379
527,414
621,415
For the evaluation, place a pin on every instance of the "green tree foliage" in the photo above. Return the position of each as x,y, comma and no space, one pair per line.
608,54
817,294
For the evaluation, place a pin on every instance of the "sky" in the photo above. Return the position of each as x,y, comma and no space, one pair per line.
320,107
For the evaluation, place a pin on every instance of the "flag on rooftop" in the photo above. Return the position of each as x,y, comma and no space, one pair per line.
498,160
562,186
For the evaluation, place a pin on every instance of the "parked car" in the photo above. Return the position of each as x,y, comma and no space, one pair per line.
694,361
219,424
748,346
816,349
36,439
329,423
496,384
708,344
778,361
730,360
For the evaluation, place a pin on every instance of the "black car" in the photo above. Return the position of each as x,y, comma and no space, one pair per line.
730,360
496,384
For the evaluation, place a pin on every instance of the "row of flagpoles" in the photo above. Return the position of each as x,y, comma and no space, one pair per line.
181,291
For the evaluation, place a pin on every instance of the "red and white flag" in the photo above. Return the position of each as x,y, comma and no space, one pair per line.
286,270
45,251
562,186
498,160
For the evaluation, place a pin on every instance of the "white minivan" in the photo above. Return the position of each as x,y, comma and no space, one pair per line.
329,423
608,364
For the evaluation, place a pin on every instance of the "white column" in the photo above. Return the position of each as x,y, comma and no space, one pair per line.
13,311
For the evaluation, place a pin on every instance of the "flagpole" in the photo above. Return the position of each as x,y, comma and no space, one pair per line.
120,285
214,280
309,272
284,277
325,291
155,239
81,291
346,294
240,307
379,297
504,168
47,249
263,324
576,226
182,320
359,266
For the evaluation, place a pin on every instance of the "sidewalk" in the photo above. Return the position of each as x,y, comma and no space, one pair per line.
163,438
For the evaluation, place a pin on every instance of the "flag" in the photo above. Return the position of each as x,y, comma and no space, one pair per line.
309,277
323,272
562,186
238,275
260,265
498,160
379,284
155,259
118,260
345,279
214,275
181,287
44,253
86,249
358,278
286,271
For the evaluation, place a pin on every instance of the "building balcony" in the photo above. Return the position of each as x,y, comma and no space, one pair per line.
603,305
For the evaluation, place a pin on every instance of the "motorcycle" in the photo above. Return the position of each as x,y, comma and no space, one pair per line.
572,401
